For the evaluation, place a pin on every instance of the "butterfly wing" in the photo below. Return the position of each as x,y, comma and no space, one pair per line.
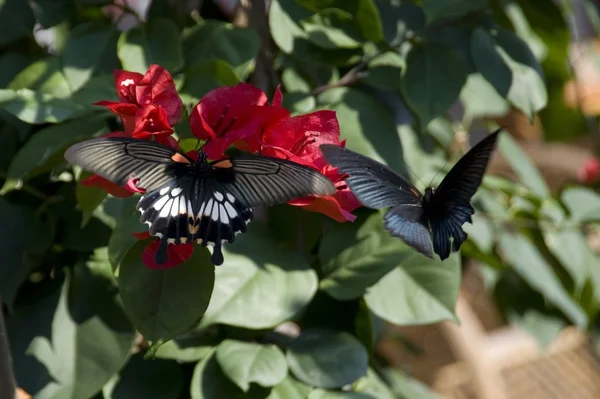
408,222
118,159
265,181
374,184
451,200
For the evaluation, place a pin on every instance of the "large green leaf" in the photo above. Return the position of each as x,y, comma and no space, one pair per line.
283,21
38,108
204,76
399,19
209,382
406,387
148,379
489,62
157,42
327,359
434,76
331,29
450,9
89,50
163,303
247,362
527,91
218,40
90,337
319,393
252,263
44,76
530,264
354,260
188,348
45,149
127,222
289,388
419,291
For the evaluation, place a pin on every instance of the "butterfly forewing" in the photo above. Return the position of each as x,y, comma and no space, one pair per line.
463,180
264,181
374,184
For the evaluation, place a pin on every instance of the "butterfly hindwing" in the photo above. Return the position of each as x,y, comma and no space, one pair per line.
374,184
448,234
409,222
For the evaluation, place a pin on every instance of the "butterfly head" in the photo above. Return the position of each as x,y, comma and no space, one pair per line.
202,157
429,194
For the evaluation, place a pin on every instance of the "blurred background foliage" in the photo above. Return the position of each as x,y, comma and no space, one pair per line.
300,306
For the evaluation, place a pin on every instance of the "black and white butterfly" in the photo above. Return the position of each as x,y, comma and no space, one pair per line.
189,201
428,222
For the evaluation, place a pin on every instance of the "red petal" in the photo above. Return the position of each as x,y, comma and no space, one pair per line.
125,83
157,87
176,254
131,185
303,134
108,186
589,172
124,110
169,141
151,120
328,206
144,235
220,110
116,134
277,97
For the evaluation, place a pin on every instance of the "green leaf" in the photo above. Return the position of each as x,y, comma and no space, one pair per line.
434,76
385,71
359,115
218,40
399,19
450,9
205,76
569,246
157,42
294,82
45,149
489,62
92,235
127,221
319,393
90,338
373,385
16,21
583,204
543,327
246,362
530,264
239,295
89,50
39,108
522,165
289,388
330,29
527,91
327,359
283,15
52,12
88,198
481,99
209,382
163,303
148,379
43,76
186,349
365,13
407,387
419,291
11,64
23,239
354,260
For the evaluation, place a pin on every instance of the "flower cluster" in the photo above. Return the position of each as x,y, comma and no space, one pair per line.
237,116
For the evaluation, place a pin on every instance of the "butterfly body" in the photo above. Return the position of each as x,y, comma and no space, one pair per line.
196,201
429,222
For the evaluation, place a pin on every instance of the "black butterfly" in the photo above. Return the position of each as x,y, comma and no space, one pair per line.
190,201
415,217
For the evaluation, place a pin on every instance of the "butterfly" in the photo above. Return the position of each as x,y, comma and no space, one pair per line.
189,200
428,222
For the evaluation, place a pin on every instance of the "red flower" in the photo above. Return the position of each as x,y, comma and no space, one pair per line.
151,120
136,91
234,115
298,139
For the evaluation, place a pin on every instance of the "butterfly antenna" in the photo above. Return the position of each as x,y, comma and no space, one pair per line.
437,173
413,173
